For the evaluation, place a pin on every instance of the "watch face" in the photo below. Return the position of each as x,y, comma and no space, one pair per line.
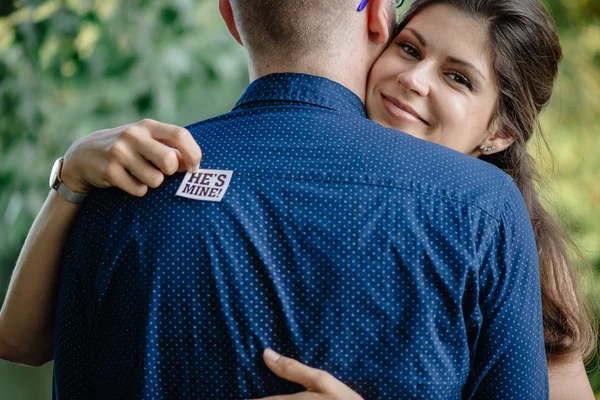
54,180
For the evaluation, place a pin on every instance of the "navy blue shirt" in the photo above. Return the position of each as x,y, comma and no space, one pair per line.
405,269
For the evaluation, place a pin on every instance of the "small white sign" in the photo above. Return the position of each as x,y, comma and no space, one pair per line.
205,185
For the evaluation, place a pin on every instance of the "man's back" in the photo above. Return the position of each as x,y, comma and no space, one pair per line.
397,265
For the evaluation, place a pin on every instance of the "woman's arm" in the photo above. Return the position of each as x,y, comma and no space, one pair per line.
27,316
569,381
132,157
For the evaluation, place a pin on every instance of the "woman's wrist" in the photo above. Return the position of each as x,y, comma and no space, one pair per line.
71,178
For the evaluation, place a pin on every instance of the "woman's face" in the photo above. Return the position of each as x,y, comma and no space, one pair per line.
435,81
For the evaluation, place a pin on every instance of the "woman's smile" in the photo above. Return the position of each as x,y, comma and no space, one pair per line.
402,111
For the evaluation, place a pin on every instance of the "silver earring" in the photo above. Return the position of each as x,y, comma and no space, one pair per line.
486,149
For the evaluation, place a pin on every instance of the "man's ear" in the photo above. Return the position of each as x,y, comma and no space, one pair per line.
382,21
227,14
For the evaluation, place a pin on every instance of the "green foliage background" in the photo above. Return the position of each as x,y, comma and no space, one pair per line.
70,67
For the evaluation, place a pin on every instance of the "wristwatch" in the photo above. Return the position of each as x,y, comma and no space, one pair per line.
57,184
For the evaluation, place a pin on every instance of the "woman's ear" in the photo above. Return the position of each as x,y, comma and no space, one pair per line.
227,14
499,139
382,21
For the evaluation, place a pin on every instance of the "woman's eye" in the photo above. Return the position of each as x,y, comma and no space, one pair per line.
460,79
410,50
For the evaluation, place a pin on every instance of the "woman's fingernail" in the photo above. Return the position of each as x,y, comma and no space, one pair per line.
271,355
193,169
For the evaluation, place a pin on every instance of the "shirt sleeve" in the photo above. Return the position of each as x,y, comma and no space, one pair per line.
509,360
72,340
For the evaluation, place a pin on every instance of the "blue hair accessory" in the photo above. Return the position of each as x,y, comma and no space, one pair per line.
363,4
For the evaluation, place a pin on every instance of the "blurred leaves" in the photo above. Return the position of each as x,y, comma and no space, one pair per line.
68,68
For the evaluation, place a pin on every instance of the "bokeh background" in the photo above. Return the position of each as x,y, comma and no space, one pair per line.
71,67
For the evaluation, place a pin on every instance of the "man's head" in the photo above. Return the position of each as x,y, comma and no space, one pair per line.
313,36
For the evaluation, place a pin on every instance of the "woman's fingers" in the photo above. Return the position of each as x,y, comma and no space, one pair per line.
297,396
177,137
132,157
320,385
181,162
116,175
160,155
294,371
144,172
146,154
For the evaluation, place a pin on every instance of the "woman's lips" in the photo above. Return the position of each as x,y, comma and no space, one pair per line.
402,111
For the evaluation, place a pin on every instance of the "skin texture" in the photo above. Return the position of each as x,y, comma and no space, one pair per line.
416,75
569,381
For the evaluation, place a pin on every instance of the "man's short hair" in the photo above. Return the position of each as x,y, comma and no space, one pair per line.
293,28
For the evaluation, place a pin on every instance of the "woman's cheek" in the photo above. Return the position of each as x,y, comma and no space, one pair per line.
451,111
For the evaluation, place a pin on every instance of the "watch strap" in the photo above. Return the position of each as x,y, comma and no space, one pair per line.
69,195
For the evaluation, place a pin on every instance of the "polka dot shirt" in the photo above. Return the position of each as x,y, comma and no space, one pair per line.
405,269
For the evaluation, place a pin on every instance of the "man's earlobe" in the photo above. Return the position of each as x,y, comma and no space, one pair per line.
382,18
227,14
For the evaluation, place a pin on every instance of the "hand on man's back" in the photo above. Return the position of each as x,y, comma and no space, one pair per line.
132,157
320,385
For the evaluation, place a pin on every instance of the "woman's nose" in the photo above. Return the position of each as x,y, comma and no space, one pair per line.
416,79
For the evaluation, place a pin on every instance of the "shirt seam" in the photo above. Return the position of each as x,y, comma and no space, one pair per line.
500,195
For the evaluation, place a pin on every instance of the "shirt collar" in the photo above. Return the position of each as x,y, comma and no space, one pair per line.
301,88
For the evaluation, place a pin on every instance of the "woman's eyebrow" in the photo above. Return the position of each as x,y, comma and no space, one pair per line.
450,59
465,64
420,37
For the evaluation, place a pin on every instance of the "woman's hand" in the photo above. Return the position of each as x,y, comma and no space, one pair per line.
131,157
320,385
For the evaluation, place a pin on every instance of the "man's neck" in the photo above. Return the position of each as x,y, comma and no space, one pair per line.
351,75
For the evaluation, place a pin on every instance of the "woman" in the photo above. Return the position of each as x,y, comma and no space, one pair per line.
472,75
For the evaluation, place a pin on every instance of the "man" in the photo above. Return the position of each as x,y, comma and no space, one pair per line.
311,230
